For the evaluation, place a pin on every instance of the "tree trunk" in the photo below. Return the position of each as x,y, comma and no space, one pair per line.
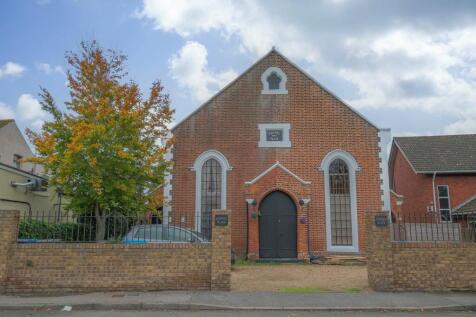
100,224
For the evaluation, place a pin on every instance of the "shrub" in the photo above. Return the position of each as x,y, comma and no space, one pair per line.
36,229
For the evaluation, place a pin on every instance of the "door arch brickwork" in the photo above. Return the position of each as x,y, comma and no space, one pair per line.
278,180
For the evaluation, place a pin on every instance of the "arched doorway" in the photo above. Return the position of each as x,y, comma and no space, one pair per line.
277,226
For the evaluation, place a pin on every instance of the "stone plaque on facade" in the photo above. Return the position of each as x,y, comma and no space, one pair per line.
221,220
381,220
274,135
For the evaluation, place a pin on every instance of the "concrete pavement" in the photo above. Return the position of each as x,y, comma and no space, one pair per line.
228,313
206,300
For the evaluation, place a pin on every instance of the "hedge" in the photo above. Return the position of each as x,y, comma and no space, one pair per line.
36,229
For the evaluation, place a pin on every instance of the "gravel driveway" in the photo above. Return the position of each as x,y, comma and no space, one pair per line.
299,278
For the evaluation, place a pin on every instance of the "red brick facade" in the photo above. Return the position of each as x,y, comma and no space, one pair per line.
416,189
320,123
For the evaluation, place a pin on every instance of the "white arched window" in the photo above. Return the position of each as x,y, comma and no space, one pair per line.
339,169
274,81
210,188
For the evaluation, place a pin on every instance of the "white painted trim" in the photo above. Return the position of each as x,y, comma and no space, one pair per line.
167,207
384,139
396,194
269,169
464,203
197,167
249,201
353,169
282,85
449,202
263,127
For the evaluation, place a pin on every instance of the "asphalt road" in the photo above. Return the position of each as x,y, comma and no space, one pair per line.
55,313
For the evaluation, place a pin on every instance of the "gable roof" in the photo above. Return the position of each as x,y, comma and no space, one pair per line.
275,51
5,122
469,206
439,153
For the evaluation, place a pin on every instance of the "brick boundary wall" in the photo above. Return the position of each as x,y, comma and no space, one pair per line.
413,266
88,267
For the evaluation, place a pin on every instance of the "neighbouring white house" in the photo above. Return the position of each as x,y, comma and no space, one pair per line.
23,185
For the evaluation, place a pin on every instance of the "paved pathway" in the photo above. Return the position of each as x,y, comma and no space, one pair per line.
229,313
205,300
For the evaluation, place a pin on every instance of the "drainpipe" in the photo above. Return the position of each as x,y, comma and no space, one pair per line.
434,194
304,202
247,229
18,202
252,202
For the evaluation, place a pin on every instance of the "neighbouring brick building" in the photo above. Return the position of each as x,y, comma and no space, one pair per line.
296,166
433,174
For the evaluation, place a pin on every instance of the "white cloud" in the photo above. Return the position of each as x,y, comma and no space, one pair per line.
48,69
6,112
11,69
396,56
257,29
29,109
189,68
461,127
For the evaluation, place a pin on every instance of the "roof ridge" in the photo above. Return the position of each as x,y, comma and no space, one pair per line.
434,135
298,68
467,201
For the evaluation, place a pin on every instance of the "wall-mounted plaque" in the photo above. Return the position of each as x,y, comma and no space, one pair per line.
221,220
274,135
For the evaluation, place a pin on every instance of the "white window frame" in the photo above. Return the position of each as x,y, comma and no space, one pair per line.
197,167
282,85
263,127
17,160
449,202
353,169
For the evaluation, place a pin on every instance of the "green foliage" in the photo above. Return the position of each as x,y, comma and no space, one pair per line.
104,150
36,229
305,290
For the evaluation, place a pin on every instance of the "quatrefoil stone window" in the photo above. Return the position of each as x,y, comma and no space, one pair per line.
274,81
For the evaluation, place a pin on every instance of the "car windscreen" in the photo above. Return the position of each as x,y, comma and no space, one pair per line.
181,235
151,233
169,234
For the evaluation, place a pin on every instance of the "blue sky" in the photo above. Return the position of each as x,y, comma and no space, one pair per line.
409,66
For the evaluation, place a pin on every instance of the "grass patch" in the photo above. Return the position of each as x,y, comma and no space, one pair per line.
254,263
239,262
304,290
352,290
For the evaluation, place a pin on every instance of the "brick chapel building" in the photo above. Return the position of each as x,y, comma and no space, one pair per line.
296,166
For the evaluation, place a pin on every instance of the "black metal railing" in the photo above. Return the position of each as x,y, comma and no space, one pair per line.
434,227
40,227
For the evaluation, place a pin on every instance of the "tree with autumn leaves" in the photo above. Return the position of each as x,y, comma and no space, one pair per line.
104,150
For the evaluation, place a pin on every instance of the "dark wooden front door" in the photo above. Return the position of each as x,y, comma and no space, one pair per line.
277,227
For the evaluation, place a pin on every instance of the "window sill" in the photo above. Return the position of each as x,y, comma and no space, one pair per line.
268,144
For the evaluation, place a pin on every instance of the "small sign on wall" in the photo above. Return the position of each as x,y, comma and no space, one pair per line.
221,220
381,220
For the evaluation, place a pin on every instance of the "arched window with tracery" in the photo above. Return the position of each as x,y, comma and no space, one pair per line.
340,187
211,178
340,203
